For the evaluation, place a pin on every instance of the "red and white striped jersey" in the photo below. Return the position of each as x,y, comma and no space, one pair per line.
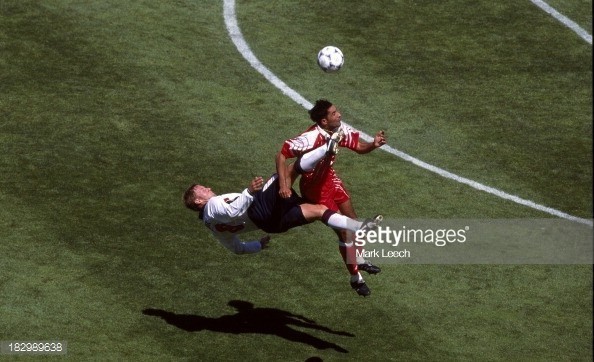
322,185
315,137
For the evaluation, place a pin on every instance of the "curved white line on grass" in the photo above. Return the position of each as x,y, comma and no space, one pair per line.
564,20
246,52
244,49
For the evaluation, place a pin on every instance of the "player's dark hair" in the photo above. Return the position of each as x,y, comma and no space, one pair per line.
189,197
319,110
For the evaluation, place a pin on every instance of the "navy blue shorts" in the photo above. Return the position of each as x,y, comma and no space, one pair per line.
273,214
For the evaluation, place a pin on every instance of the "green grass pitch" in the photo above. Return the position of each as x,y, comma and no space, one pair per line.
110,109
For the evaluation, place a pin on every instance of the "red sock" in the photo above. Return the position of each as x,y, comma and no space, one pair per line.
348,255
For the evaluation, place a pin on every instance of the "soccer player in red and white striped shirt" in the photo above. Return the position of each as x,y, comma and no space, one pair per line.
319,183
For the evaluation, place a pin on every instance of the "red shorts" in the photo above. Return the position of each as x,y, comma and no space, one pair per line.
330,192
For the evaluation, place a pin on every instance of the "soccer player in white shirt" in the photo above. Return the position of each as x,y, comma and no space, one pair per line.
259,206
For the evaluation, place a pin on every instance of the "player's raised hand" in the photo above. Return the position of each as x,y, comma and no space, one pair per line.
379,139
256,184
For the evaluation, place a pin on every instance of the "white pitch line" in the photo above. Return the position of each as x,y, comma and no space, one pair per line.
246,52
564,20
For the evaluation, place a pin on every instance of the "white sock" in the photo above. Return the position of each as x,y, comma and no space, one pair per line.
308,161
338,221
356,278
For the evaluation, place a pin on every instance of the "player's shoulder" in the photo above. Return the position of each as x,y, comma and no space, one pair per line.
305,140
308,133
221,199
230,197
346,129
351,137
313,127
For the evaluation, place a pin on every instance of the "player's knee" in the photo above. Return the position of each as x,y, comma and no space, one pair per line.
320,210
317,211
313,212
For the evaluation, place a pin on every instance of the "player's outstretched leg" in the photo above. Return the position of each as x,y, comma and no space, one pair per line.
372,223
308,161
347,251
339,221
332,145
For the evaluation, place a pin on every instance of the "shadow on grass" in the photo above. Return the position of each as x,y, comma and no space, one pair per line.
249,319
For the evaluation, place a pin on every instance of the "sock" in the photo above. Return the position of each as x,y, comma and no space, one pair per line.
347,251
338,221
357,277
308,161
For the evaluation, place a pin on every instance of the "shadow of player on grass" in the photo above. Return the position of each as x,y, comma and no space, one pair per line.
249,319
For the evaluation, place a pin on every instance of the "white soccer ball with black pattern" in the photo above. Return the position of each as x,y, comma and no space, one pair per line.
330,59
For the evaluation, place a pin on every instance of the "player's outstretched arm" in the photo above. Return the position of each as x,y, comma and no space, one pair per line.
238,246
366,147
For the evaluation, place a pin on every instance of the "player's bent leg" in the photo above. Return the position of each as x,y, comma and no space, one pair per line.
348,252
346,208
361,287
341,225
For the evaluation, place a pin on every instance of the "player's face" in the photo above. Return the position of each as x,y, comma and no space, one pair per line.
333,118
203,192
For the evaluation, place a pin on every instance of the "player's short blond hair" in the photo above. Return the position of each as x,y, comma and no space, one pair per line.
189,198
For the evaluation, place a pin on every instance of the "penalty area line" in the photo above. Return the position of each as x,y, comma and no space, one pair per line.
244,49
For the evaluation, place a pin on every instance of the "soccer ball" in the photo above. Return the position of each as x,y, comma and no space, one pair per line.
330,59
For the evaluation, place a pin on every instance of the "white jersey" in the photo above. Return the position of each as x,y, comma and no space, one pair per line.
226,216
